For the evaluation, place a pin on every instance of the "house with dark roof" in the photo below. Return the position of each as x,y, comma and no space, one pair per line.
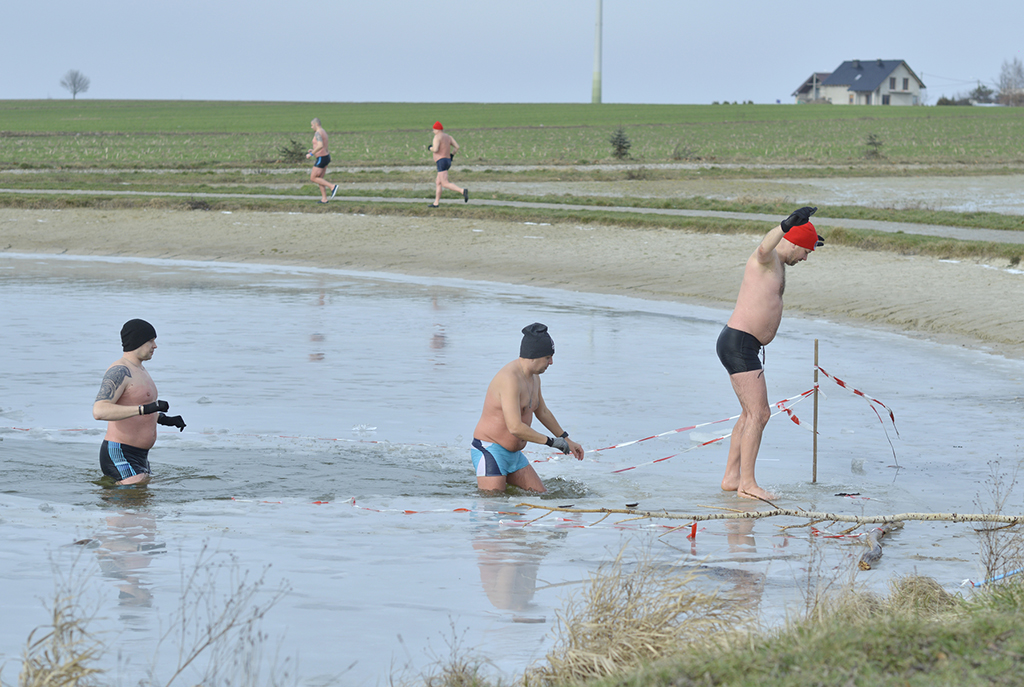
870,82
810,90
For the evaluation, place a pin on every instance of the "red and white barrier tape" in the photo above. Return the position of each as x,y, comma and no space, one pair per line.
781,405
655,436
871,400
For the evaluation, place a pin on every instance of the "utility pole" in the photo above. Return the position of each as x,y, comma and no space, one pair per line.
595,95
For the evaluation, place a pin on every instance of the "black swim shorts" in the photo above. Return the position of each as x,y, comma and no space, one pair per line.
323,161
738,350
122,461
444,164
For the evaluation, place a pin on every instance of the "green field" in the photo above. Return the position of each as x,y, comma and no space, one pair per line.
212,134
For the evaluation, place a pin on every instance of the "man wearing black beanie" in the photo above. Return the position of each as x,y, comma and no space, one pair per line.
127,400
513,399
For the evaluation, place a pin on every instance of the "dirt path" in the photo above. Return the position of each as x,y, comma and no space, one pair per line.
960,233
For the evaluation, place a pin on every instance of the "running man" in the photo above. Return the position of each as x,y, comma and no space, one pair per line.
513,399
322,157
752,326
444,148
128,402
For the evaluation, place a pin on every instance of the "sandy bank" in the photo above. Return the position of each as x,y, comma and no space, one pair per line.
966,303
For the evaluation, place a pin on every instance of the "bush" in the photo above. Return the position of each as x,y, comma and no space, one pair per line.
953,101
874,144
620,144
293,152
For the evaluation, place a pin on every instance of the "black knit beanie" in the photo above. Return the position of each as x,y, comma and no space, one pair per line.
537,342
134,333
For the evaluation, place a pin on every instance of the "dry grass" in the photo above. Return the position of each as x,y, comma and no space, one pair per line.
920,595
626,618
62,653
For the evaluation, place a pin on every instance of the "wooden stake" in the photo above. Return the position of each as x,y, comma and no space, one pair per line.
814,462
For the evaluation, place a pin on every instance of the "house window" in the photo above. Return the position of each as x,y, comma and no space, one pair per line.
906,84
892,83
885,99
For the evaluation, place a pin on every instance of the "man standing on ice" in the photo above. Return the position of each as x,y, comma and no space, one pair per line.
513,399
752,326
127,400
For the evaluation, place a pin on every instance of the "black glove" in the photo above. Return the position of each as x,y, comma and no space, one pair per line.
452,156
797,218
561,443
171,421
155,407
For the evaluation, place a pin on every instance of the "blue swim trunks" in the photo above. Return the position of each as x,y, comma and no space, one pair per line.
495,460
323,161
122,461
444,164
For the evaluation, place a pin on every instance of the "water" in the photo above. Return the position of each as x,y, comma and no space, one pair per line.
329,415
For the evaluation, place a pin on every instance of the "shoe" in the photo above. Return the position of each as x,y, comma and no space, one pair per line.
433,206
321,202
465,195
335,191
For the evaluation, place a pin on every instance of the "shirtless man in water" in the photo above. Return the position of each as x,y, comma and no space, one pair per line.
751,327
321,157
513,399
443,148
128,402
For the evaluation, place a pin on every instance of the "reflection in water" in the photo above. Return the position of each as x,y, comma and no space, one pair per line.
742,584
317,355
509,560
439,340
125,547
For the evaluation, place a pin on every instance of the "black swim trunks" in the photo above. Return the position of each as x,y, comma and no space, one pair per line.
122,461
738,350
323,161
444,164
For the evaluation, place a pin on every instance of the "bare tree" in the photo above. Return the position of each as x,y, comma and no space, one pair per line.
1011,83
75,82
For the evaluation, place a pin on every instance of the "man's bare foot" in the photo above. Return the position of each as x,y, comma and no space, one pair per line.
730,485
755,492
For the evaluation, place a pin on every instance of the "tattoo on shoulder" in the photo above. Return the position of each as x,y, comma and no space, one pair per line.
318,136
111,381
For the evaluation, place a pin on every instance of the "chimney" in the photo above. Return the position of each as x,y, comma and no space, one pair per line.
856,64
879,61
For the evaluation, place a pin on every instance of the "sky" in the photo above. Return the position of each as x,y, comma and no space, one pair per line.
654,51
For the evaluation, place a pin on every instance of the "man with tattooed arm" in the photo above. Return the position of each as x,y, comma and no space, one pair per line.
127,400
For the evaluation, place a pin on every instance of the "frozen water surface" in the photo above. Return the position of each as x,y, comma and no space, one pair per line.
329,415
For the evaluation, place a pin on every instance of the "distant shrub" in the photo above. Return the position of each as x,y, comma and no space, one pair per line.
874,145
683,151
620,144
954,101
293,152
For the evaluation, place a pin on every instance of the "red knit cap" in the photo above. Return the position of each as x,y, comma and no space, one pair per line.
804,236
438,127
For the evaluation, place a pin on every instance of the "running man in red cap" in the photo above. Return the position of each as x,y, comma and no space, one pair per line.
752,326
444,148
